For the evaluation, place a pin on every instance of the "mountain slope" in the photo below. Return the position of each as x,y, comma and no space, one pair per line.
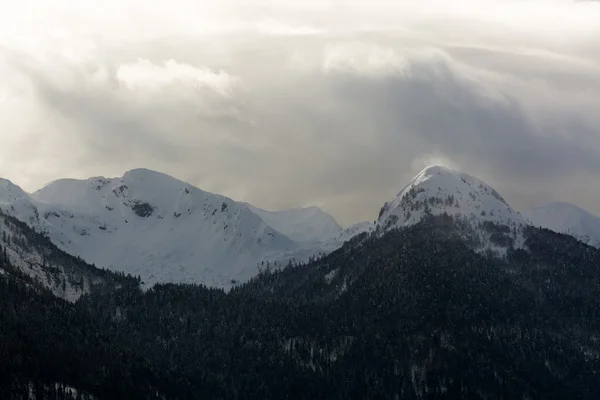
486,218
34,259
448,323
354,230
14,201
52,349
568,219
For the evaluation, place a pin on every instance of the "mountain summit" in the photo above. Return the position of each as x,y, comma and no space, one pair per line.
483,214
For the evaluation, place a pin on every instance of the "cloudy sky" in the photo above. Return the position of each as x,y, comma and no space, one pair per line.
288,103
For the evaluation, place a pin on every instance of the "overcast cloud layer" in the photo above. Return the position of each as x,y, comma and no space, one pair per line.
294,103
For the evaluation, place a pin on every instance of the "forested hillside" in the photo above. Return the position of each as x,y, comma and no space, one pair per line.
413,314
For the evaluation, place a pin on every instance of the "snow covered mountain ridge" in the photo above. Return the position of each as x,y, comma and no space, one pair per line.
152,225
165,230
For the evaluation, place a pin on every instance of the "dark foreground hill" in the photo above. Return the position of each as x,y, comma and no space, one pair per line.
414,314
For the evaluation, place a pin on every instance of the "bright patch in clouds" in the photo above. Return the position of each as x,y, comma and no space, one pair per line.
288,103
363,58
145,74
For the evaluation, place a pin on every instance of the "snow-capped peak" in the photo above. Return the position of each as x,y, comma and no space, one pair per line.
438,190
309,224
135,185
569,219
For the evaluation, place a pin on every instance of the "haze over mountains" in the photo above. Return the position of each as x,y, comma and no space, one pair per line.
161,229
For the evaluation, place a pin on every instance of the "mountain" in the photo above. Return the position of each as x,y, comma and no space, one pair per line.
354,230
33,259
485,218
568,219
407,308
151,225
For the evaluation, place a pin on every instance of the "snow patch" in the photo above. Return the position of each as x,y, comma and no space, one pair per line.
331,275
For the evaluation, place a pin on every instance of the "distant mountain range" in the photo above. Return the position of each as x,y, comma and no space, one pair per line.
161,229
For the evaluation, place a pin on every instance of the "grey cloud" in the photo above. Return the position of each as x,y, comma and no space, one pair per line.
294,134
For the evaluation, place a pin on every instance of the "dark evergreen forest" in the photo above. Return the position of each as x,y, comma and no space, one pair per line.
413,314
